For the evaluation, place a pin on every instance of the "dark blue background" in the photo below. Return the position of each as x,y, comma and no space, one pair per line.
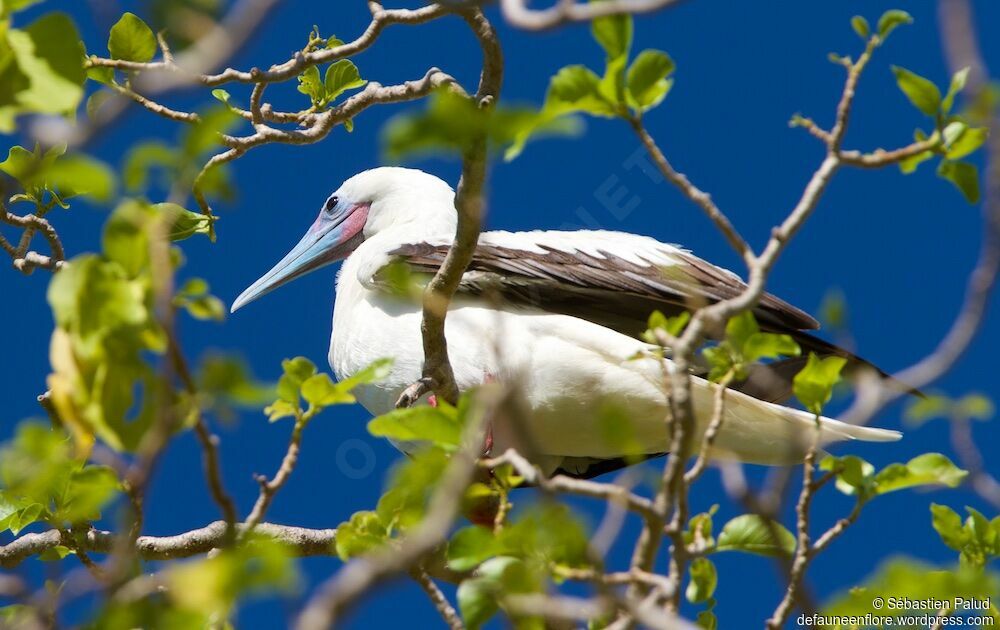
899,248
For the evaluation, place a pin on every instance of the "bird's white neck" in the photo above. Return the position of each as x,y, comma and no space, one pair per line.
357,294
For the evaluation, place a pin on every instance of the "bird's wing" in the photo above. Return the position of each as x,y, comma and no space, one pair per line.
616,280
611,278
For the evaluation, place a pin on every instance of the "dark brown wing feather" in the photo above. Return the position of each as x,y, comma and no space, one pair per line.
605,289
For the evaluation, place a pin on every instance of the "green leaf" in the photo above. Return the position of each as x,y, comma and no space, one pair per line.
576,88
411,483
854,476
910,580
422,423
958,81
280,409
706,619
65,176
49,57
342,75
926,469
311,85
769,346
977,539
183,223
923,409
206,134
722,360
42,479
131,39
89,489
469,547
612,85
703,580
477,602
753,345
226,379
360,535
452,123
673,326
924,95
948,524
12,6
614,34
753,534
890,20
125,239
21,164
813,385
81,175
221,95
54,554
952,132
378,370
8,507
205,308
145,156
964,176
478,598
646,79
910,164
860,26
25,518
974,407
297,370
700,528
101,74
320,391
195,298
745,344
971,139
213,586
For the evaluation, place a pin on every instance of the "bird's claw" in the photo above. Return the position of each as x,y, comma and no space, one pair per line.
412,394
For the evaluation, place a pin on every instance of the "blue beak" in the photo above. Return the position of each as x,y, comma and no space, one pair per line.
332,237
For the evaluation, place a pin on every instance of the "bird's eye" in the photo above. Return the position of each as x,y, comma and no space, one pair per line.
331,203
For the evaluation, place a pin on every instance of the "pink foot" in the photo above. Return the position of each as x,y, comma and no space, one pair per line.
488,441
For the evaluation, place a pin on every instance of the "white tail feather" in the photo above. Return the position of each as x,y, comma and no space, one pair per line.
759,432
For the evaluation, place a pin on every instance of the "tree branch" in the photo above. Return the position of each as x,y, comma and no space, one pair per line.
692,192
959,36
268,488
302,541
567,485
469,204
441,603
518,14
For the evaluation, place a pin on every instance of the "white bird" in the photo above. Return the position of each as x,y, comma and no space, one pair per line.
559,311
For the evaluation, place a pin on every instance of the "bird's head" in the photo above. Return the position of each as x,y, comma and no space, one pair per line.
380,200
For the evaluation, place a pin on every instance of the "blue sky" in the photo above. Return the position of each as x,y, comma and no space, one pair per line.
898,247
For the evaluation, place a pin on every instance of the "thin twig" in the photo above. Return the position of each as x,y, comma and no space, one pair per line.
270,487
702,199
532,475
441,603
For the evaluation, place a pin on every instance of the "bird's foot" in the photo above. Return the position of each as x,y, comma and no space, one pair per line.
412,394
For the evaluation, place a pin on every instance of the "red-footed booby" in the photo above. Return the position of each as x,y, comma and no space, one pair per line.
560,312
